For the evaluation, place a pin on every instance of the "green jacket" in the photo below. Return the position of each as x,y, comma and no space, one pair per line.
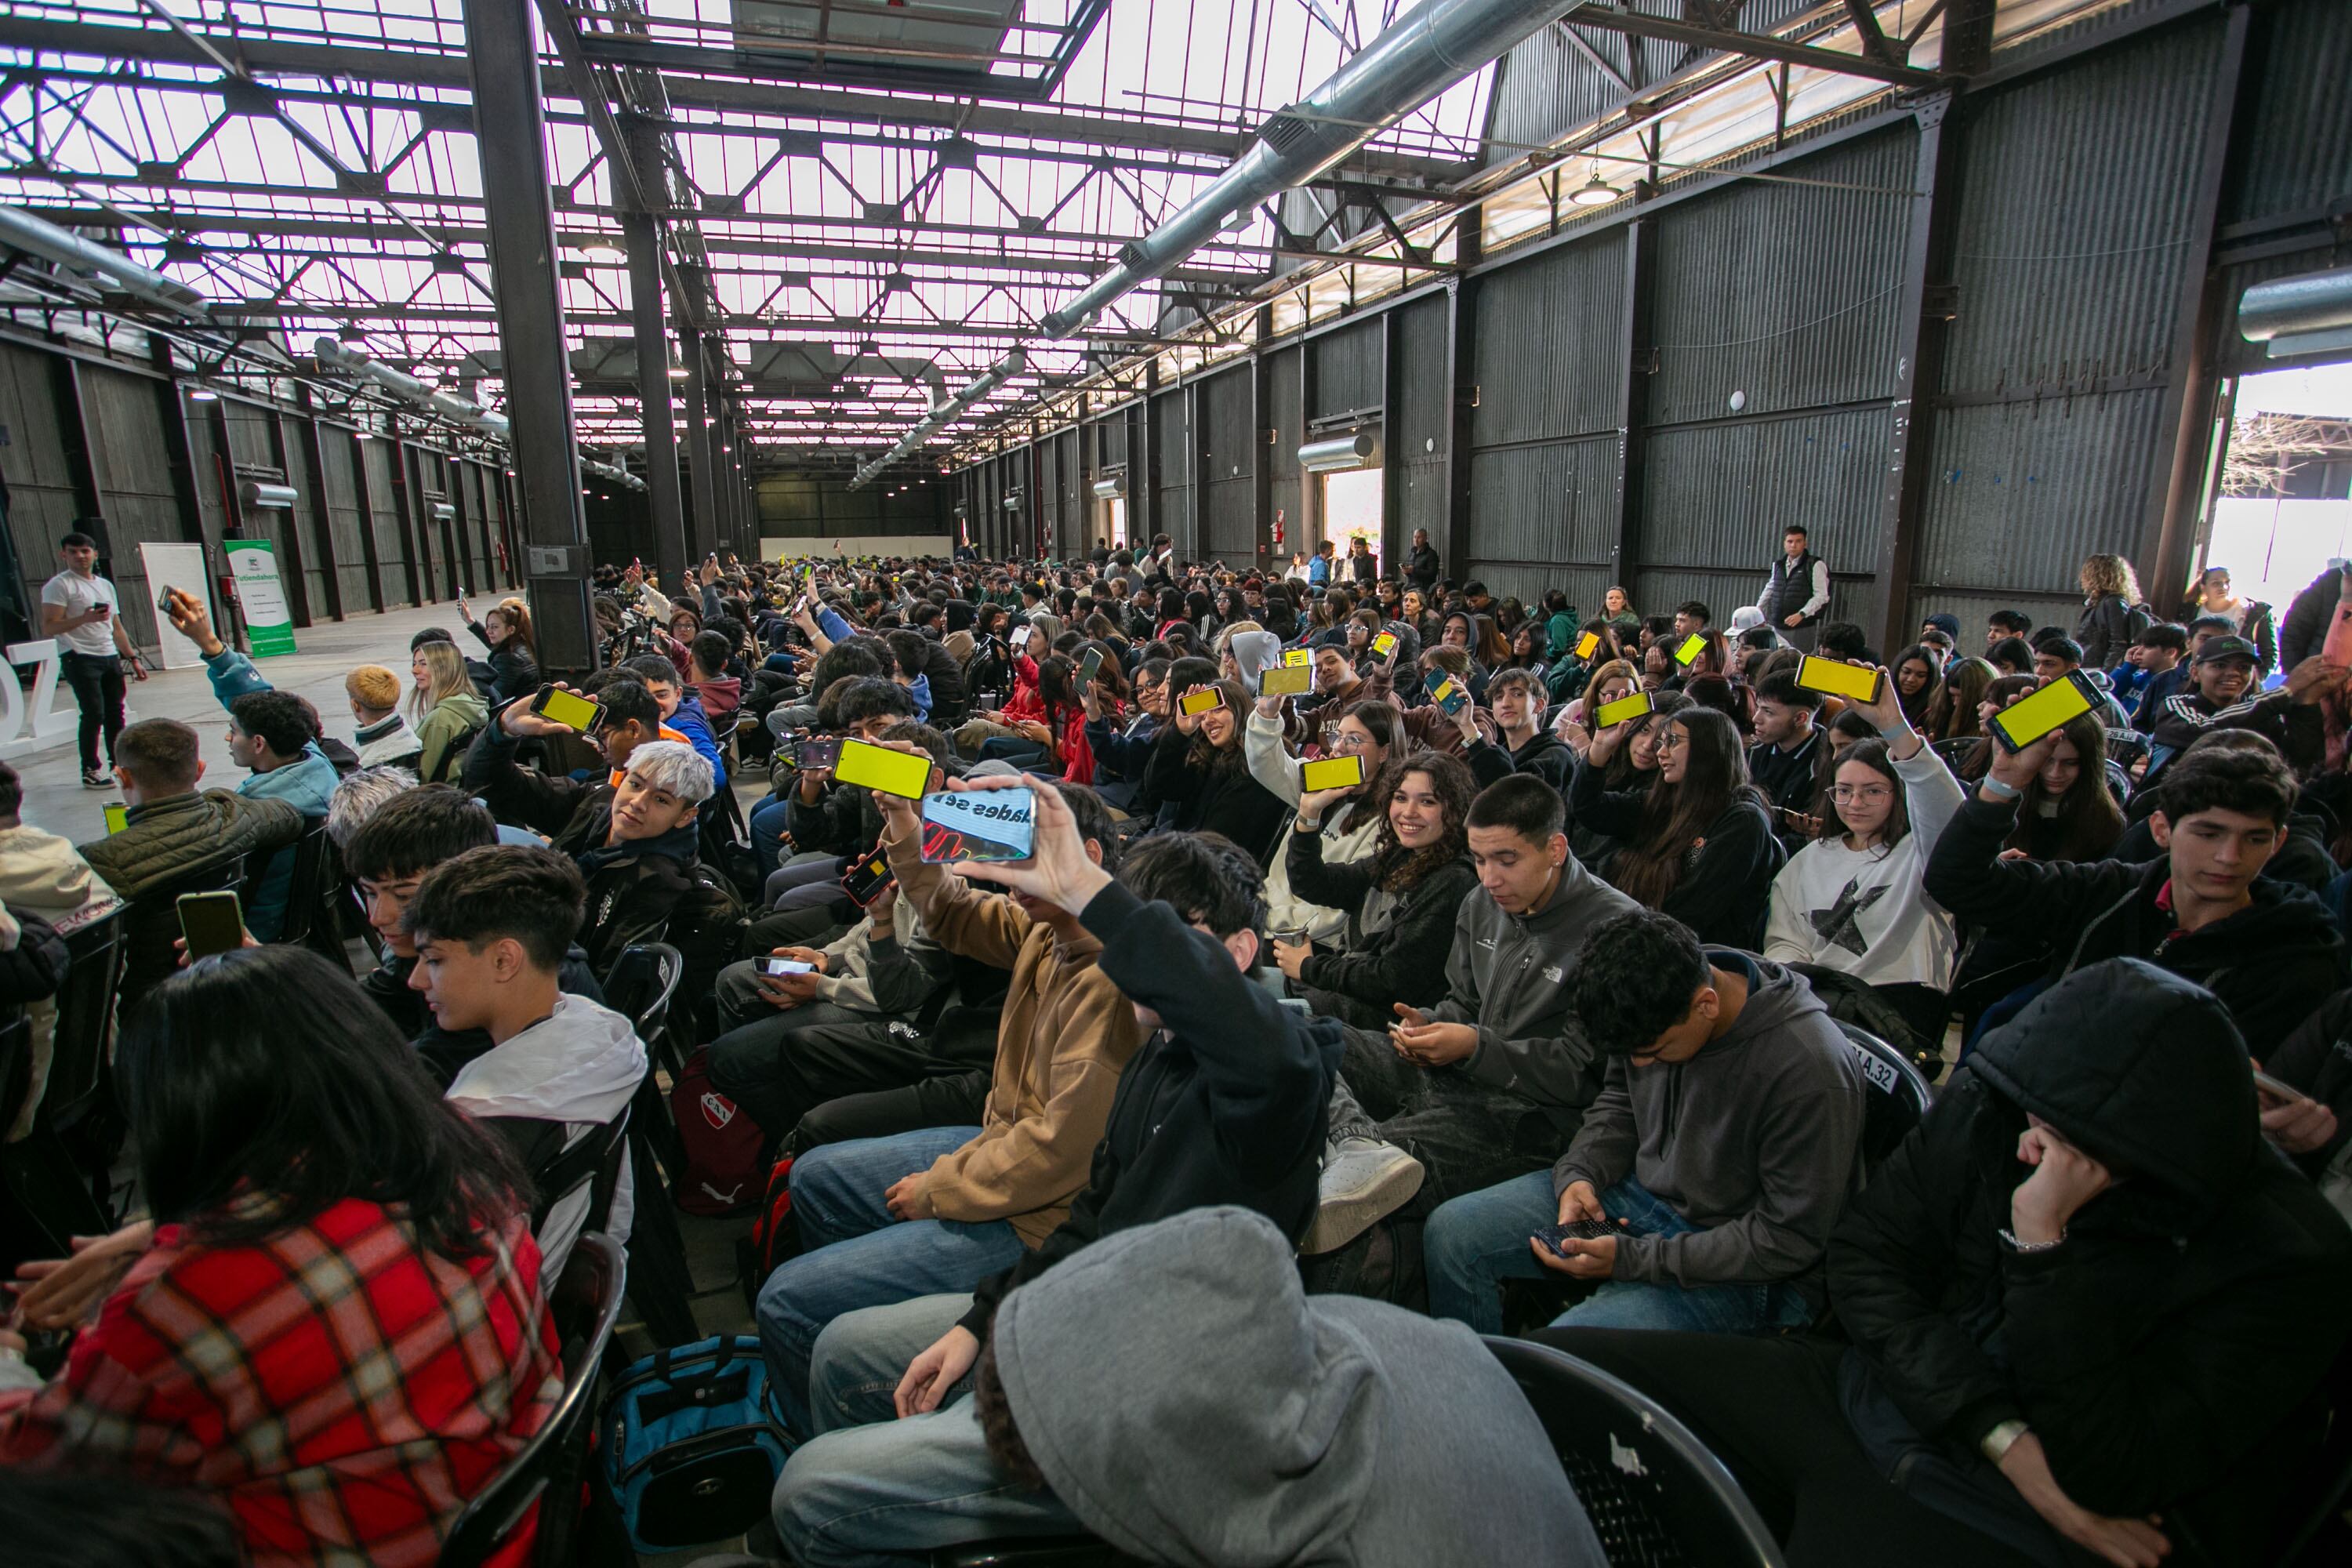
170,838
453,719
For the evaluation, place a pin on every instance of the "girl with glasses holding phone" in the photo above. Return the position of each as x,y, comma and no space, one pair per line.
1852,900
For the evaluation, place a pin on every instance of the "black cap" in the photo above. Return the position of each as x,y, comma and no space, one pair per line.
2228,648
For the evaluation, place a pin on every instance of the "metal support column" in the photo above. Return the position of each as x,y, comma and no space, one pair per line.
1388,547
1452,536
1261,455
322,504
510,135
379,599
1637,356
702,515
2168,537
1923,328
643,236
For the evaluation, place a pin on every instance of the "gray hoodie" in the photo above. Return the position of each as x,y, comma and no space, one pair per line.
1505,975
1756,1141
1255,1424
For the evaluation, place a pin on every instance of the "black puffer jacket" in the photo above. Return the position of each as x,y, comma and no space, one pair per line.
2167,1351
1403,961
2307,619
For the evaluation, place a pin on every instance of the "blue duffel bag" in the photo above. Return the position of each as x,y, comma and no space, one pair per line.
692,1444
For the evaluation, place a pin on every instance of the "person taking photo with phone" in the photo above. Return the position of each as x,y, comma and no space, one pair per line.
81,610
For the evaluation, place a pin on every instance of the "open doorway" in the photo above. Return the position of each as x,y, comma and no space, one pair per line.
1351,509
2281,505
1115,515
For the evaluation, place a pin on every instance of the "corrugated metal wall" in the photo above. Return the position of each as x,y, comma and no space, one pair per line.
1347,370
352,543
1077,529
124,416
1171,453
1284,369
2070,238
1231,453
1543,437
400,575
1419,429
42,503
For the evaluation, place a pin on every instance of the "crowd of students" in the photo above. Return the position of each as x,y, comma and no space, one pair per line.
1153,1183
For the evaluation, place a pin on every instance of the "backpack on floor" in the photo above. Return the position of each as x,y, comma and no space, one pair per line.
722,1144
693,1444
774,1237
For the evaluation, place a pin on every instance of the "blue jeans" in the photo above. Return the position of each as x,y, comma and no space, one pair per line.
856,1254
1472,1244
868,1488
767,825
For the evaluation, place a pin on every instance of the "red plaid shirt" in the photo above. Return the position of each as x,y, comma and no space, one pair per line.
344,1393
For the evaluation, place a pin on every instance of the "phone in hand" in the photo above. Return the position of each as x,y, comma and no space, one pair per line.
164,601
1624,708
1284,680
2278,1088
1588,644
868,878
1692,646
1839,679
568,709
1450,696
2030,717
1552,1236
1194,703
1382,645
211,923
1088,667
893,772
1299,655
777,968
984,825
117,816
817,755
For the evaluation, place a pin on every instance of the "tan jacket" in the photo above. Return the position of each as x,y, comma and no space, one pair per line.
1065,1035
42,871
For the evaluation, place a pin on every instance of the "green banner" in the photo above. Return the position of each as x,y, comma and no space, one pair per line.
261,598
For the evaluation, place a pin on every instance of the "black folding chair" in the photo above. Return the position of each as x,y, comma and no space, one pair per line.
1898,1092
547,1474
303,887
150,924
1656,1496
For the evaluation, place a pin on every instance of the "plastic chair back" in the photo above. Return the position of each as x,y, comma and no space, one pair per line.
641,986
150,924
1898,1092
302,887
547,1474
85,1002
1655,1494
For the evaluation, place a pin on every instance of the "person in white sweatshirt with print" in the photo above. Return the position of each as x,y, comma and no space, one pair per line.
1854,900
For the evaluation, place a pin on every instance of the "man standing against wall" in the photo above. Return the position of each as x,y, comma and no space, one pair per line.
1421,563
78,608
1796,592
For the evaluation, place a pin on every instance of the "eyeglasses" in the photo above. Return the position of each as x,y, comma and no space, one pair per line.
1349,741
1844,794
1670,739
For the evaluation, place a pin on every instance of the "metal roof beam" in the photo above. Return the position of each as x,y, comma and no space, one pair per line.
1611,19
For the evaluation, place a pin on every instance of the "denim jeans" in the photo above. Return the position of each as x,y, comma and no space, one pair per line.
767,825
1473,1243
856,1254
805,880
872,1490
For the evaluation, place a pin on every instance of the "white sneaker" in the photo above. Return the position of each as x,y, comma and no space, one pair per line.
1363,1182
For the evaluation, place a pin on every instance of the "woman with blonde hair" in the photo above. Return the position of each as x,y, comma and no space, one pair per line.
2109,594
444,709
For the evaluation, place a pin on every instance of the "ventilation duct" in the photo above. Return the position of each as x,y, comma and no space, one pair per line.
447,405
66,248
1340,453
255,496
1110,487
442,512
1417,57
955,408
2304,314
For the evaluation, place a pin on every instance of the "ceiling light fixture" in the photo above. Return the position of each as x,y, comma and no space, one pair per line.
609,249
204,394
1595,192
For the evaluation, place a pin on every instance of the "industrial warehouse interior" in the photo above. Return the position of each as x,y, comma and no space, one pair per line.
1038,783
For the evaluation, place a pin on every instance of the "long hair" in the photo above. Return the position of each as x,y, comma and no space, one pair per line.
264,1087
516,616
1953,715
2104,575
2088,821
1206,755
447,667
1618,773
1916,709
1396,869
1872,755
1676,817
2001,690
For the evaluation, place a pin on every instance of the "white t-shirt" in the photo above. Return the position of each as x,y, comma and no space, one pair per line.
79,595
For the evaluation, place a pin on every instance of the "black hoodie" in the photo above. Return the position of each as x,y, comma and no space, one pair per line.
2271,964
2166,1351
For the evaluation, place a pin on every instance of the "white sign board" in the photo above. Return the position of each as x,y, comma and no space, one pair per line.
180,567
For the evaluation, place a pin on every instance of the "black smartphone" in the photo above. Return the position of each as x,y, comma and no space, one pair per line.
568,709
818,755
867,880
1552,1236
1090,666
211,923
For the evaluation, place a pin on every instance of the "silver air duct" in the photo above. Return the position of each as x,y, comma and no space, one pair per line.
2307,313
1417,57
1338,453
447,405
63,246
255,496
955,408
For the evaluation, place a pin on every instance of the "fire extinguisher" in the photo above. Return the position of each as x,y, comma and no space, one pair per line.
1277,528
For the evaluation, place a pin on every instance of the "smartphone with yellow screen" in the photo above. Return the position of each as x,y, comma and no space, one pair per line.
1297,657
1839,679
1332,772
903,773
1588,644
117,816
1384,644
1284,680
2029,719
1194,703
1450,696
1693,645
1625,707
568,709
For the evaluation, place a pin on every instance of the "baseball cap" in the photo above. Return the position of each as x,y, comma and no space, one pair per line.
2229,647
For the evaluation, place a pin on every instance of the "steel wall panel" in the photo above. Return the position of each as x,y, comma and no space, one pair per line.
1721,495
2300,117
248,447
1785,292
1658,589
306,525
1528,583
125,418
400,581
1556,502
1346,368
1229,501
1171,449
1544,87
2018,494
343,519
2077,189
1283,369
1420,429
41,501
1078,530
1546,344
